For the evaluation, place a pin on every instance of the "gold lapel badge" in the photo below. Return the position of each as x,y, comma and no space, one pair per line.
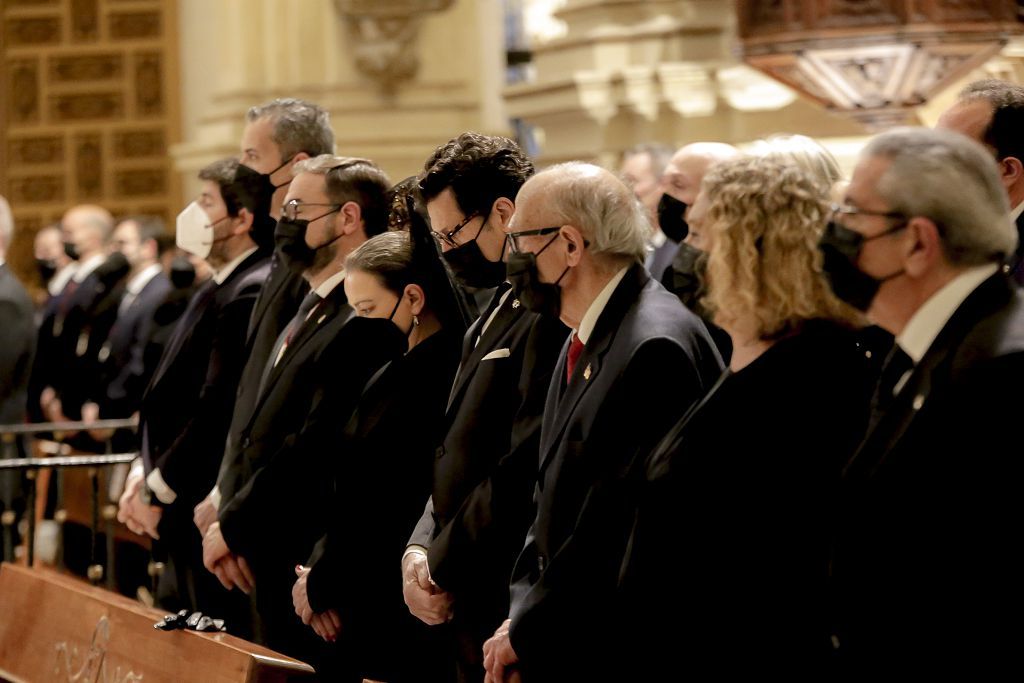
321,319
586,372
515,304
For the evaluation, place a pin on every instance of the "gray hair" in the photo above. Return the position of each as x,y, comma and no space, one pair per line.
388,256
803,151
950,179
298,126
608,214
6,225
352,179
659,154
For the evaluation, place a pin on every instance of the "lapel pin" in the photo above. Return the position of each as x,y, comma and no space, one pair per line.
515,303
321,319
918,401
586,372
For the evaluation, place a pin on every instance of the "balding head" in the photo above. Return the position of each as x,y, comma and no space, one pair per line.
686,170
593,200
88,227
6,226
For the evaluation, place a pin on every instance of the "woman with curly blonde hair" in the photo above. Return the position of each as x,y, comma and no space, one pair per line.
728,560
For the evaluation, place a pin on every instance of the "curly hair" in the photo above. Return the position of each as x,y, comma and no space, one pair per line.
478,168
765,219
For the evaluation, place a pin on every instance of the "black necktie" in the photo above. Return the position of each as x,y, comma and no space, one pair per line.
896,366
288,333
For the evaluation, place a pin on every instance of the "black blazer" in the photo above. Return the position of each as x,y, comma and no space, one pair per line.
925,567
485,467
382,465
186,406
592,428
17,342
277,303
727,566
124,374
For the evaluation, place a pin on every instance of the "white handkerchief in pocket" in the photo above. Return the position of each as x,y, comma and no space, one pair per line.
497,353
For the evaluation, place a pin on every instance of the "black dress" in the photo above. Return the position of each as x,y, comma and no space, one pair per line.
728,561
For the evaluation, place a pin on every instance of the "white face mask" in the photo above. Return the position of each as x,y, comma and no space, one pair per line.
195,232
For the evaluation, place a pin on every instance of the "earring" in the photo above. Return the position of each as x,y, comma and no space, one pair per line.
415,321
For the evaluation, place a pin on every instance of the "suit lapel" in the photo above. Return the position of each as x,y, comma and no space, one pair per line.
886,432
186,325
507,315
559,410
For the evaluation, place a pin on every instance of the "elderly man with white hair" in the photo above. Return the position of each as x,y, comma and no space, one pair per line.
577,248
926,565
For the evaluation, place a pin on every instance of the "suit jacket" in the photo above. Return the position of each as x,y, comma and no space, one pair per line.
592,428
17,343
1018,267
660,258
485,467
931,499
185,409
728,556
383,461
124,374
277,303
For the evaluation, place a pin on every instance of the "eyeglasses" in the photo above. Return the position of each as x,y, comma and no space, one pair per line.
514,237
291,209
847,210
449,237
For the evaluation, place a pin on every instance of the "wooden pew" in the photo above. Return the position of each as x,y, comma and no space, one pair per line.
53,626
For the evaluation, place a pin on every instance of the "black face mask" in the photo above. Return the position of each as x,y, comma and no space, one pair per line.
670,218
183,273
688,268
46,268
271,182
394,310
544,298
472,268
255,191
71,251
290,240
841,249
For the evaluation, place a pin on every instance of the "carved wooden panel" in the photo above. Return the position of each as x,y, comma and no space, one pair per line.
90,107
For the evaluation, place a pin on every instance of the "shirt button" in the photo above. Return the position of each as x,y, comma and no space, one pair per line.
439,453
541,563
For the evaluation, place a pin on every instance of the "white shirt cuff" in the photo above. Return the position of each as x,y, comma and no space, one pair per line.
158,486
414,549
215,497
138,469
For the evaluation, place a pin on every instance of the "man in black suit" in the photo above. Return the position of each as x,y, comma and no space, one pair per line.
272,513
187,405
462,550
17,342
992,112
56,390
925,567
277,135
577,245
123,373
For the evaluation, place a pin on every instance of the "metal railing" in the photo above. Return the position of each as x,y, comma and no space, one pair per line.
56,433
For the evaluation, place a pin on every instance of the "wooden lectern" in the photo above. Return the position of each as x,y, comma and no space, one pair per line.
57,628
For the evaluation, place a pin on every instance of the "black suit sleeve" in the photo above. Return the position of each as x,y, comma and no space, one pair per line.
189,459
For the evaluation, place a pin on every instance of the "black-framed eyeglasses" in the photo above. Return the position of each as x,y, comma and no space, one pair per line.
837,210
290,210
449,237
514,237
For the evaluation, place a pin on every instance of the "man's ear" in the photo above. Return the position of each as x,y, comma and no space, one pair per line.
242,222
574,244
350,217
925,246
1011,171
501,211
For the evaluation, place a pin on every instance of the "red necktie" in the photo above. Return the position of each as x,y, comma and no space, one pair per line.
575,349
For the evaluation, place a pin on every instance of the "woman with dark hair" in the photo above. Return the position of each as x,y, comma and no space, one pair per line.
728,560
350,595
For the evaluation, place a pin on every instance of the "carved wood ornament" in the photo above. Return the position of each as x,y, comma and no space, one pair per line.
873,59
383,36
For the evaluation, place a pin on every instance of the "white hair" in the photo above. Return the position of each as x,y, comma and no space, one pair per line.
608,214
951,180
6,225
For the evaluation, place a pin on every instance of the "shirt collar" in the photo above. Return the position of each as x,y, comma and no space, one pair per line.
139,282
1016,211
221,275
61,277
926,323
597,307
328,285
658,239
86,267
